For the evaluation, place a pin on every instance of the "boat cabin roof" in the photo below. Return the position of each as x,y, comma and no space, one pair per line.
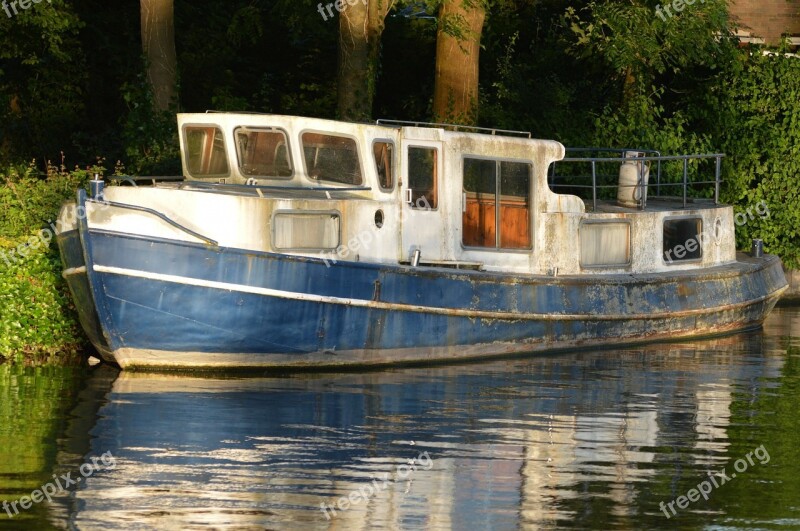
277,151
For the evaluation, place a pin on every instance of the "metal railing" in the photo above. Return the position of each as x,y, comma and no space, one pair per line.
157,214
642,156
455,127
134,180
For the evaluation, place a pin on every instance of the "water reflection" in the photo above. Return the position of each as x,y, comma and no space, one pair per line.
592,439
45,418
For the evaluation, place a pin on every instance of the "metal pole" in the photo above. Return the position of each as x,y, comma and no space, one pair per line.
642,186
685,179
658,175
594,185
716,180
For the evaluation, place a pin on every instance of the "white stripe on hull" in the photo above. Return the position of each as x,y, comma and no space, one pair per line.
456,312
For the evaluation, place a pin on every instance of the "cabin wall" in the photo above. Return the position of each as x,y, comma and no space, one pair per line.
361,239
520,222
233,221
246,222
561,249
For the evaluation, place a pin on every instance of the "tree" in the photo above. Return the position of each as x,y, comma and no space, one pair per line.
42,80
642,45
360,28
458,41
158,44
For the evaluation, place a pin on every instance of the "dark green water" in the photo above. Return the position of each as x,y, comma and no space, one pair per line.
590,440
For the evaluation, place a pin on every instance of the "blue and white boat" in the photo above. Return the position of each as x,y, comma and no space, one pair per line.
295,242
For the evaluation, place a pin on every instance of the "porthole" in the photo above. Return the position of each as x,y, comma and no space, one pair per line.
379,218
683,239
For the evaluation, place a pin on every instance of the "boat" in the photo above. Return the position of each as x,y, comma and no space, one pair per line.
292,242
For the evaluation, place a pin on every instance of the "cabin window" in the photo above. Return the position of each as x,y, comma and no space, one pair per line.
332,158
306,231
487,184
605,244
205,151
422,177
384,161
263,153
683,240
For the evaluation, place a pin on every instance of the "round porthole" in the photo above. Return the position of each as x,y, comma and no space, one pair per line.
379,218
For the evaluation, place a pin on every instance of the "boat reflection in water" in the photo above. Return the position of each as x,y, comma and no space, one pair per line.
587,439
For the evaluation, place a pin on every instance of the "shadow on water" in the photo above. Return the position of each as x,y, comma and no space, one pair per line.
594,439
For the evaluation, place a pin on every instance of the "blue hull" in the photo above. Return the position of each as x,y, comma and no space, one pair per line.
151,303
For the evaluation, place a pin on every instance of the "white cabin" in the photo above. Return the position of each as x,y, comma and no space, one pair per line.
400,194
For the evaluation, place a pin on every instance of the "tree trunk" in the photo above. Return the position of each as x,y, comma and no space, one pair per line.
158,44
360,28
455,94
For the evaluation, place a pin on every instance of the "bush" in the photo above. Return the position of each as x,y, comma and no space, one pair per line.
758,118
39,322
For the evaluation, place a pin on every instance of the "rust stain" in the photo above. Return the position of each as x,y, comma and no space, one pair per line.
684,290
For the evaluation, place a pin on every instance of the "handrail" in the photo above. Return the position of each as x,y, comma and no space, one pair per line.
655,152
491,130
133,179
158,215
613,150
685,183
182,182
267,187
625,159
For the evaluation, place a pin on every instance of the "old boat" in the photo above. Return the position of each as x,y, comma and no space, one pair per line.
300,242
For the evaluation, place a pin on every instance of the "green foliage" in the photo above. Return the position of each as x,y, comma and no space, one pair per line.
643,122
150,136
42,79
37,319
38,322
249,56
529,81
638,46
682,85
758,125
32,202
648,61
